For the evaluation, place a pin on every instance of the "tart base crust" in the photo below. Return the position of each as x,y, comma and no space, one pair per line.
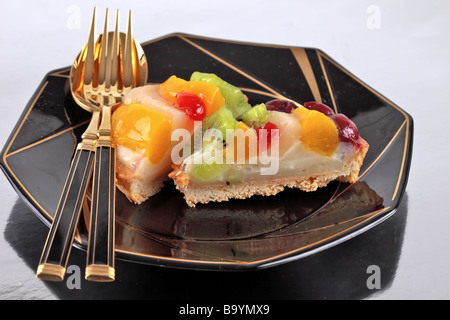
204,193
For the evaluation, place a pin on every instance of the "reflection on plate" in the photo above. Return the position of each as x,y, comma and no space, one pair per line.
239,234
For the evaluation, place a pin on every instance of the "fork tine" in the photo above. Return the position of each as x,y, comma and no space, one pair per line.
127,62
104,53
115,56
90,55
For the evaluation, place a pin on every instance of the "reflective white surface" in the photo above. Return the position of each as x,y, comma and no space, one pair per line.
399,48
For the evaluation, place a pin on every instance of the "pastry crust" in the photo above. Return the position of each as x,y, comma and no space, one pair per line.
138,191
204,193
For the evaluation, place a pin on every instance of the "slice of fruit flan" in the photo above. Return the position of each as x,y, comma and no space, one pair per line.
141,130
221,147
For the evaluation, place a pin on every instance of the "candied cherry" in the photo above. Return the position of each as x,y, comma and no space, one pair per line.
348,131
209,93
191,104
281,105
268,127
326,110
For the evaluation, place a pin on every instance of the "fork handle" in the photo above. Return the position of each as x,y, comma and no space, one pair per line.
55,254
100,256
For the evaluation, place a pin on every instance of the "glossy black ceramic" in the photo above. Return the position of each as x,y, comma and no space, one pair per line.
239,234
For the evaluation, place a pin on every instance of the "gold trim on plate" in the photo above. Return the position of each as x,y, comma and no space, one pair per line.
231,66
304,64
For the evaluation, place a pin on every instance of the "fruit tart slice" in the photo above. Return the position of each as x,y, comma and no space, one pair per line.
141,131
242,150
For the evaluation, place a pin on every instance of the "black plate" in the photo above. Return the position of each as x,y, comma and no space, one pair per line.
239,234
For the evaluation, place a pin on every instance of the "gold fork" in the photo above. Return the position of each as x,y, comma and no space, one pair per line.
101,75
107,85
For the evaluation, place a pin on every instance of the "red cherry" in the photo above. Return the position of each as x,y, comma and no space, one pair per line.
268,127
191,104
326,110
281,105
195,113
348,131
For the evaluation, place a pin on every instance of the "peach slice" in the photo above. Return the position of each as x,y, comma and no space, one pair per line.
319,133
210,94
141,129
243,145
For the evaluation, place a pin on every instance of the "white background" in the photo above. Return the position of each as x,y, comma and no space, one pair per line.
404,55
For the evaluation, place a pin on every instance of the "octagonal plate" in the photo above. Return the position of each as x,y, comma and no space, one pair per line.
240,234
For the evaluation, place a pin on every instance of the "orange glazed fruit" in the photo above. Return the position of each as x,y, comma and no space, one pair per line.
243,146
142,130
319,133
300,113
209,93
